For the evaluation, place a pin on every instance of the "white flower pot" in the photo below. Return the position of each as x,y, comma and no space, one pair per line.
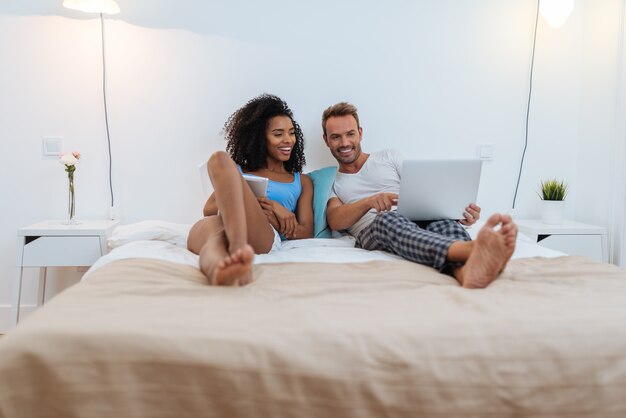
552,211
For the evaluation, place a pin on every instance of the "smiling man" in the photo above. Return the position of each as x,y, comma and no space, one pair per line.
365,193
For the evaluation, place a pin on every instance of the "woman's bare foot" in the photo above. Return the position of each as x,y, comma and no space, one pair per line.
236,268
231,270
489,254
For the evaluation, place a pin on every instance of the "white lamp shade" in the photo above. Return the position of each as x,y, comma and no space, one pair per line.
556,12
109,7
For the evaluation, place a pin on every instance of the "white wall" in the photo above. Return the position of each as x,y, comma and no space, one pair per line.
597,180
434,79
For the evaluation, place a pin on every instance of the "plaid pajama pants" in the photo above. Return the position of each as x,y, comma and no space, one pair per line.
424,243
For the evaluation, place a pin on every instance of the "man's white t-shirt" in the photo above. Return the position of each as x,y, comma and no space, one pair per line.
380,173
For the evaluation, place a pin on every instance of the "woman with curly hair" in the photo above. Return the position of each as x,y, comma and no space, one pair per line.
263,140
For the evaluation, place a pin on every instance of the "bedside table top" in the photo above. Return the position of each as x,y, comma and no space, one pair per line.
535,226
56,227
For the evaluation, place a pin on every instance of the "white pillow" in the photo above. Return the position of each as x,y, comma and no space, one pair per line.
150,230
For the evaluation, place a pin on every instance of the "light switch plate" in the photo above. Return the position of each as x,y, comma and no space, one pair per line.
52,146
485,152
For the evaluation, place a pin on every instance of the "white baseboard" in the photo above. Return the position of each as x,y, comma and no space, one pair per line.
5,316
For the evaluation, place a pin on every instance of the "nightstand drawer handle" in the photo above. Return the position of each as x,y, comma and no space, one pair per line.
29,239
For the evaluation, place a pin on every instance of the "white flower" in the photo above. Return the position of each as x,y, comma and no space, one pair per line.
68,159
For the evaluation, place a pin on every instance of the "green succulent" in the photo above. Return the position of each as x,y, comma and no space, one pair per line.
553,190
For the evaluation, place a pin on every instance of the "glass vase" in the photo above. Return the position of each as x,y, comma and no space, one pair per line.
71,201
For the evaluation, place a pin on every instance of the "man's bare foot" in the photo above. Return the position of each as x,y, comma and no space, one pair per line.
232,270
489,254
509,231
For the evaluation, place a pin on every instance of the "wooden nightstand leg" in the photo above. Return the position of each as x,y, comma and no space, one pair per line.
17,295
41,292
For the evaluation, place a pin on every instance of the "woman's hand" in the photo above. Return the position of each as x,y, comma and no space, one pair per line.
267,209
286,219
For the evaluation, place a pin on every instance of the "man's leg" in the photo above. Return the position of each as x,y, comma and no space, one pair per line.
460,252
447,227
396,234
491,251
484,258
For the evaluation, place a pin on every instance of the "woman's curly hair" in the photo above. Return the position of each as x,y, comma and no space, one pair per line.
245,133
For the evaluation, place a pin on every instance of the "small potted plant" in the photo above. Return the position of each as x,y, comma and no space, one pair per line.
553,193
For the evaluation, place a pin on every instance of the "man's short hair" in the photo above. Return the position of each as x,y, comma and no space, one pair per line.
340,109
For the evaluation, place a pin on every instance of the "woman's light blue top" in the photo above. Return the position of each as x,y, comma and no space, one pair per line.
287,194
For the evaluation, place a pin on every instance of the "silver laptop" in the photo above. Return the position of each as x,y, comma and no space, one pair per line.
438,189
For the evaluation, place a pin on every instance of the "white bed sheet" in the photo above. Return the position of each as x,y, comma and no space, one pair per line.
165,241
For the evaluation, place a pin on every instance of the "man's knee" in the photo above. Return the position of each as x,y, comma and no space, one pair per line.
447,227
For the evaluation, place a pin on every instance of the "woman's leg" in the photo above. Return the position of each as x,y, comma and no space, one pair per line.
227,242
208,240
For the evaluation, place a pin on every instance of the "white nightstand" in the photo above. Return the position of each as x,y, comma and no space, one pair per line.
570,237
53,244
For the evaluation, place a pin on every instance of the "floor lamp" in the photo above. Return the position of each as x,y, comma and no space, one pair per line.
102,7
555,12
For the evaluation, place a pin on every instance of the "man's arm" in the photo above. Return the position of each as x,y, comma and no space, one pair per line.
342,216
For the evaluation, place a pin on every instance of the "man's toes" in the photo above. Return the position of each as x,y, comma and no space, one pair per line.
493,220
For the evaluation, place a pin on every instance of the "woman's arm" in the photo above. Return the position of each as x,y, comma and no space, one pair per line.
304,210
210,207
296,225
268,210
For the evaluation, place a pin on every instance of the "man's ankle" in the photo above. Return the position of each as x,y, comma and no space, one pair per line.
459,251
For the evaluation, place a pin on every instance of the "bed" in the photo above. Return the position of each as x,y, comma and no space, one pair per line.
325,330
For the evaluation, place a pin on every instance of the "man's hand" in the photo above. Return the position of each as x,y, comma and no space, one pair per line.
383,202
471,215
